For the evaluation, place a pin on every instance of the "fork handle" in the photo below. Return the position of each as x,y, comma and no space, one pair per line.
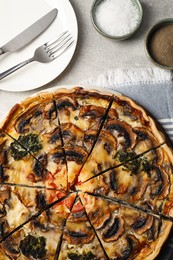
15,68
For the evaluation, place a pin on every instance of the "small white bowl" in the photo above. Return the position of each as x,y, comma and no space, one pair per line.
117,38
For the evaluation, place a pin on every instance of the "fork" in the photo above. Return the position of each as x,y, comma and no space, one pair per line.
45,53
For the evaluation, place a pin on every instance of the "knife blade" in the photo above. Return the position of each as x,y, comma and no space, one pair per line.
30,33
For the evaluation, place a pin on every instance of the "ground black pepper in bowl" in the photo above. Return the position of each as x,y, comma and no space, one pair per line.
159,44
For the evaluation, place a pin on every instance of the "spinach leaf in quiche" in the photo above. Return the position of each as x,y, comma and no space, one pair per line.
30,142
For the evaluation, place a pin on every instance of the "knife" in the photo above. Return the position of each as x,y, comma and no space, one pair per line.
29,33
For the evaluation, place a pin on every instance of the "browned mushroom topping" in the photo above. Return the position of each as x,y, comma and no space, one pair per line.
102,221
40,200
11,249
3,178
77,154
4,228
141,135
114,231
53,137
89,138
4,194
133,247
42,226
113,181
57,155
108,139
22,124
124,108
2,213
33,118
112,113
39,167
68,102
71,133
94,215
92,112
77,213
142,224
139,187
153,232
159,182
49,111
78,216
145,140
3,153
76,237
120,128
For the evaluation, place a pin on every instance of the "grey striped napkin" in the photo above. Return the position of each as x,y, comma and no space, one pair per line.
152,89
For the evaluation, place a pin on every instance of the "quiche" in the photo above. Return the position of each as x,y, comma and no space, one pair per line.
83,175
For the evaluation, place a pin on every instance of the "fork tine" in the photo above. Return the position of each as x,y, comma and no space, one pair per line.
49,43
60,45
63,49
57,42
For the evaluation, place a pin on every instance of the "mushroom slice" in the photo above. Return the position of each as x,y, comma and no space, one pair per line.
132,247
39,167
4,194
153,232
78,237
57,155
72,134
142,223
101,221
89,138
53,137
123,132
114,230
78,213
145,140
36,118
11,248
3,228
160,183
92,112
66,102
76,154
23,123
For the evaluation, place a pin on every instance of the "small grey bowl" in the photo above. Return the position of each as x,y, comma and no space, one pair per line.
116,38
148,40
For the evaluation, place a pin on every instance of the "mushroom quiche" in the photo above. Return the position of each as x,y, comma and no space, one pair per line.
83,175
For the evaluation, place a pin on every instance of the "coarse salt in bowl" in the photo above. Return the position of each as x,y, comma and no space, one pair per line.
116,19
